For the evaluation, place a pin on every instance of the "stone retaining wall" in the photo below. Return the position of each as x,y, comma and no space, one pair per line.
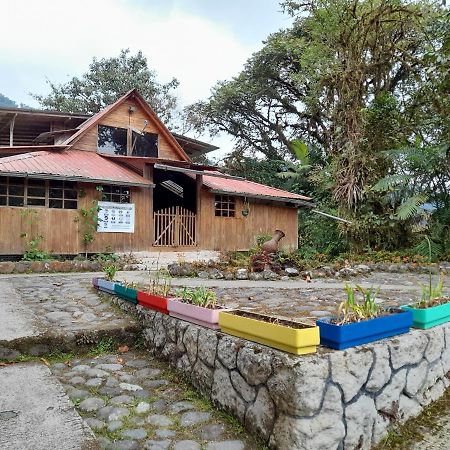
331,400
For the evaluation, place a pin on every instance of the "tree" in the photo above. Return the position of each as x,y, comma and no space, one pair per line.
324,81
106,80
5,101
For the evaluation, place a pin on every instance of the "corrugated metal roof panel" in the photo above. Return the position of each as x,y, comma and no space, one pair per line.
72,164
242,187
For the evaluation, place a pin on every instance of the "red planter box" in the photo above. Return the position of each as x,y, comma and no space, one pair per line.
152,301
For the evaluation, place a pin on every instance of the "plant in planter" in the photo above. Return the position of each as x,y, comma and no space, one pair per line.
434,307
126,291
286,335
359,322
155,297
106,284
197,305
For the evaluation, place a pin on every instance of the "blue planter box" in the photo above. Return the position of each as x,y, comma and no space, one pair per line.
340,337
126,293
106,286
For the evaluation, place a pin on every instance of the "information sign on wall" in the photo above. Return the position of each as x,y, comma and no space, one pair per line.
115,217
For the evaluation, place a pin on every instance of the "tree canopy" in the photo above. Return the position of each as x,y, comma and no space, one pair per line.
106,80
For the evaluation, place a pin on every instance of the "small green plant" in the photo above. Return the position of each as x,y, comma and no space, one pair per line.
199,296
110,271
160,283
353,310
33,252
88,220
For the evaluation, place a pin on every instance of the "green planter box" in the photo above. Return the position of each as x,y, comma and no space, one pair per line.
429,317
126,293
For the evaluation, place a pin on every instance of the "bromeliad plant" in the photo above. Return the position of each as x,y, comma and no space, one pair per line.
352,310
199,296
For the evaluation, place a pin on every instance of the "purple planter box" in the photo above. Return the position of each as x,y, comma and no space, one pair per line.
95,282
196,314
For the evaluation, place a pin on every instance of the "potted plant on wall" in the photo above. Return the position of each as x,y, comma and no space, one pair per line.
156,295
360,322
106,284
287,335
434,307
197,305
126,291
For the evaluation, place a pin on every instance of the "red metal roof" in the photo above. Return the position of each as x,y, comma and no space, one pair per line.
249,188
72,165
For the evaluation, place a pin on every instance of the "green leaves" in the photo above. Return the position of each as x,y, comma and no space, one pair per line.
410,207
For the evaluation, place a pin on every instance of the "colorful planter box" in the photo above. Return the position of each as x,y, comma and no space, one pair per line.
429,317
126,293
196,314
95,282
281,336
106,286
340,337
153,301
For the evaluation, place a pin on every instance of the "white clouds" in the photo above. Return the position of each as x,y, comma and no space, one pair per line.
57,39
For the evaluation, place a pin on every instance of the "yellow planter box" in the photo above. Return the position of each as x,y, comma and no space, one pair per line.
298,341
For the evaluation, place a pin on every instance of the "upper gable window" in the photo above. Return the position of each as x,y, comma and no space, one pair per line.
144,144
112,140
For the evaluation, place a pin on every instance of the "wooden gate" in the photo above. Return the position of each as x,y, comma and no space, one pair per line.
173,227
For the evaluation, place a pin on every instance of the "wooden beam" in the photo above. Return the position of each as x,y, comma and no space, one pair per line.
198,231
11,130
197,172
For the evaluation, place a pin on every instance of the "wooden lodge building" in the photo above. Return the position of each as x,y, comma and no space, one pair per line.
55,166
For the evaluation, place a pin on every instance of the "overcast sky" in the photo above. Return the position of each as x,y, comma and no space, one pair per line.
197,41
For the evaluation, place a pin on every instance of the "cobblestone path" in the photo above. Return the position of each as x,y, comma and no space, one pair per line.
132,401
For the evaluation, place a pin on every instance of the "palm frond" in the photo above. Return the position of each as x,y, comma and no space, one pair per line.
410,207
390,182
428,248
300,150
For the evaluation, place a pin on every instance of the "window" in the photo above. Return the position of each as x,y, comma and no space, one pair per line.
144,144
225,206
112,140
34,192
116,194
62,194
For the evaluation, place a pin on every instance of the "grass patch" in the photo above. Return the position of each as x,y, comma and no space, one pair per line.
105,345
415,429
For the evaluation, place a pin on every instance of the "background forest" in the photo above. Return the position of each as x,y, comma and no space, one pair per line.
350,105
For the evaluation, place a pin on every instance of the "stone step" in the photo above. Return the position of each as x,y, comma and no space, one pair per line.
36,414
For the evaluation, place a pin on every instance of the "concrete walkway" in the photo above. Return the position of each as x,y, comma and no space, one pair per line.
36,414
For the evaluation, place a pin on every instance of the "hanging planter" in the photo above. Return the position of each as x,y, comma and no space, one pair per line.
286,335
153,301
126,293
347,335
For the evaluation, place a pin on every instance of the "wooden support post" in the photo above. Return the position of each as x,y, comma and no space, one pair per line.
11,130
198,231
148,174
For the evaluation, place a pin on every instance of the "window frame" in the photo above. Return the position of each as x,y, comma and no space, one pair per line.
225,206
130,130
38,183
108,196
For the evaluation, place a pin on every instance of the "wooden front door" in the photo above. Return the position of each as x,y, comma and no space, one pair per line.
174,226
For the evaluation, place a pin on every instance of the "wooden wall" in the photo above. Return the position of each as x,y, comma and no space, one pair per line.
238,233
62,230
120,117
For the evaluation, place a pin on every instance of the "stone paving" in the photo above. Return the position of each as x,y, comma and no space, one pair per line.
132,401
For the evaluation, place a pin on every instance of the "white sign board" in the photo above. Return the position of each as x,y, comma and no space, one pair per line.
115,217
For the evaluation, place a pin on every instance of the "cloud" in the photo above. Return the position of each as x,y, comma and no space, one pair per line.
57,39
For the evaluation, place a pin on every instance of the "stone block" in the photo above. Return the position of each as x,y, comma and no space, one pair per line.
190,341
350,370
247,392
360,417
7,267
407,349
299,389
227,350
436,344
408,407
324,431
254,364
415,378
207,345
224,394
381,372
260,416
388,400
